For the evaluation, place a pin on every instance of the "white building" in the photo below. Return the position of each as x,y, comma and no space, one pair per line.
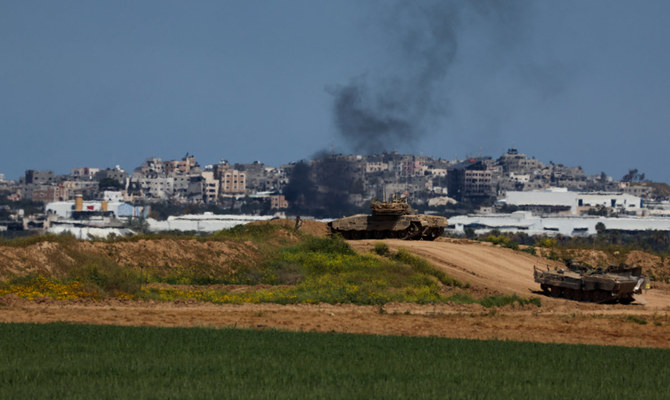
526,222
552,200
64,209
206,222
562,201
617,201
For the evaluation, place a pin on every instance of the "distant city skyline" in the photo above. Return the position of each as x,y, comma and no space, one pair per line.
91,84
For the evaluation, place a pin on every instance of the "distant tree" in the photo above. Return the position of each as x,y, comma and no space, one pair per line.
600,228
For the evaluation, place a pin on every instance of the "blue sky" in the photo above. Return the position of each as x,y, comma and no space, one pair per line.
91,83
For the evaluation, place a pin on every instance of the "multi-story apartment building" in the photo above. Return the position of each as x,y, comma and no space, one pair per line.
376,166
203,188
180,167
46,193
116,173
278,202
231,181
211,187
152,167
36,177
89,189
157,188
470,179
478,183
181,184
513,161
84,173
256,176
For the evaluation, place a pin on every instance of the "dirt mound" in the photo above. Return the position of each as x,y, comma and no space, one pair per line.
54,258
657,267
309,227
644,260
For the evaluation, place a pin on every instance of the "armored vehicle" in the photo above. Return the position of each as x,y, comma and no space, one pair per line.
600,285
390,219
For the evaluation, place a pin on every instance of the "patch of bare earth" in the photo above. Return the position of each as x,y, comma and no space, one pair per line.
549,324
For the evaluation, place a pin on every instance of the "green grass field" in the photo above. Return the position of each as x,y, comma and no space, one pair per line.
62,361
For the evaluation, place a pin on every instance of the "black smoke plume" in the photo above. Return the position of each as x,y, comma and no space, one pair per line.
395,108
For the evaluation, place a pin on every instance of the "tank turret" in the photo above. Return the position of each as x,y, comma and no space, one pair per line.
396,207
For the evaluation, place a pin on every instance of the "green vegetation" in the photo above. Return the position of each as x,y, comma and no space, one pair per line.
619,242
327,270
382,249
636,319
502,241
294,268
83,362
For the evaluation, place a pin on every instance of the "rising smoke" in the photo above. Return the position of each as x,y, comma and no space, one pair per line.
397,106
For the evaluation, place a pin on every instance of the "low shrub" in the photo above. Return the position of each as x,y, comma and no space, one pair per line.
502,241
382,249
107,277
637,320
530,250
325,245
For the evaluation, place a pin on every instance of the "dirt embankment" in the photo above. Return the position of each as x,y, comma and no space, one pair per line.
56,258
307,226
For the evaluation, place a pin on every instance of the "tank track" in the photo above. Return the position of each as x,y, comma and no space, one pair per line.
413,232
594,296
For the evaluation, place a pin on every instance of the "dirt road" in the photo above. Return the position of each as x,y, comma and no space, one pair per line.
491,269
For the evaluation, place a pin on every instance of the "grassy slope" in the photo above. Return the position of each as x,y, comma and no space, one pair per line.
300,269
83,362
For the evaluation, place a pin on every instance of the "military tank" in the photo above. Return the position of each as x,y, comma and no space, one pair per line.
390,219
616,283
